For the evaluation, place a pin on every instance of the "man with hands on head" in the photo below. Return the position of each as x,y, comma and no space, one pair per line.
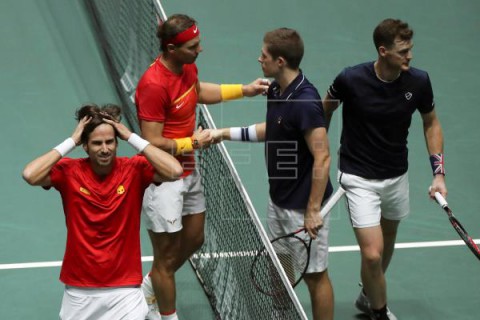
102,198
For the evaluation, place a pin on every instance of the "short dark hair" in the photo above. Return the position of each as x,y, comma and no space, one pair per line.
107,111
172,26
285,43
388,30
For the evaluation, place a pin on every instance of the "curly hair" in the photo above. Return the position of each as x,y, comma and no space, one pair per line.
97,114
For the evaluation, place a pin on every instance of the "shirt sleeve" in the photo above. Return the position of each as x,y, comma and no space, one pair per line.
338,88
145,169
311,115
59,173
427,104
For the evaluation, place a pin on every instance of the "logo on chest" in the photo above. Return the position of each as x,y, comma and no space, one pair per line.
84,191
121,189
179,105
408,95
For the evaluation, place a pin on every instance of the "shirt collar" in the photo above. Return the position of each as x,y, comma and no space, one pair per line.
292,87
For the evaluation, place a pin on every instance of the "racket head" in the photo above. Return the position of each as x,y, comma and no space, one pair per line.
464,234
293,253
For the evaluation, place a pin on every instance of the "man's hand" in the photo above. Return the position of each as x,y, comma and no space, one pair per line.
259,86
312,223
217,135
438,185
122,131
77,133
203,138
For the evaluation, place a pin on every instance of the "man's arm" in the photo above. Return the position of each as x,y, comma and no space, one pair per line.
330,104
317,142
167,168
434,139
211,93
252,133
152,131
37,172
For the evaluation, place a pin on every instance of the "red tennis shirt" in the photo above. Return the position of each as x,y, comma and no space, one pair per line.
164,96
102,216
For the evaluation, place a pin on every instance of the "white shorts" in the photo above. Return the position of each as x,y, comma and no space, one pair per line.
370,199
126,303
283,221
166,204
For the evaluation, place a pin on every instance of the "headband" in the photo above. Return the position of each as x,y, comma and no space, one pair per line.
184,36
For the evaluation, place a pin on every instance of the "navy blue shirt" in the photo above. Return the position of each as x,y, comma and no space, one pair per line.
289,161
376,119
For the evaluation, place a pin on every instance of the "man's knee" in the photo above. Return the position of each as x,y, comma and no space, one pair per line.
193,231
316,279
165,266
199,239
372,258
165,256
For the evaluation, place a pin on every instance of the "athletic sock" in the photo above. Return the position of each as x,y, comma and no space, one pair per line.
169,315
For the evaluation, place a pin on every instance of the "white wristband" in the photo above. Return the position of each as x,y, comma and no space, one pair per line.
236,134
244,133
137,142
65,147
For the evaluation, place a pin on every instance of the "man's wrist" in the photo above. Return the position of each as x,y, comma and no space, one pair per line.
65,147
137,142
244,133
231,91
195,143
437,162
184,145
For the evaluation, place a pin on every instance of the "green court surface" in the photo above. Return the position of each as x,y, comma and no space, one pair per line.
51,64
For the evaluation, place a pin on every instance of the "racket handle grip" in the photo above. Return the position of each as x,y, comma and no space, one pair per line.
332,201
441,200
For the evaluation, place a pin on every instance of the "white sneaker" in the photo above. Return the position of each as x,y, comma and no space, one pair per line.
153,312
363,304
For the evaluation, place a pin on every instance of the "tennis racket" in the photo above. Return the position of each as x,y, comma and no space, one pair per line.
457,225
293,251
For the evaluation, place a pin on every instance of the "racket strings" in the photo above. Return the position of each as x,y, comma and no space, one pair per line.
266,277
293,255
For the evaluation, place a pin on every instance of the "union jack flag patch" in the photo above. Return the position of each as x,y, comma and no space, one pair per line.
437,163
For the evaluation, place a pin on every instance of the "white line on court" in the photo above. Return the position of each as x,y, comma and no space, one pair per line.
405,245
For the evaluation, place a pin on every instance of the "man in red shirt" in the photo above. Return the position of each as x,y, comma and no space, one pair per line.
102,198
166,99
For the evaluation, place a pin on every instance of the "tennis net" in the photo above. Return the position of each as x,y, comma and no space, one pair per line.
234,234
